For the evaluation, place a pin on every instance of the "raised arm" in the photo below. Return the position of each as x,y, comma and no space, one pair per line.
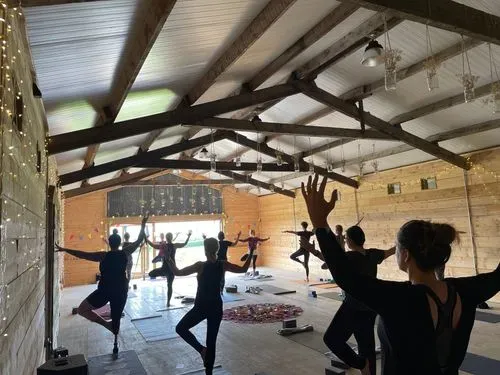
189,270
176,235
95,256
179,245
289,231
135,245
245,240
378,295
153,245
236,239
390,252
479,288
239,269
263,239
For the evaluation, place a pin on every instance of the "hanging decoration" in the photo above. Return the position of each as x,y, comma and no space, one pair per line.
237,160
374,163
494,98
259,157
361,164
213,156
342,157
329,160
431,64
467,78
392,58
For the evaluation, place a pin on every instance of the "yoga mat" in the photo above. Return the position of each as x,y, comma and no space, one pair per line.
332,295
131,295
487,317
312,339
275,290
324,286
155,329
127,363
172,307
138,309
218,370
228,297
479,365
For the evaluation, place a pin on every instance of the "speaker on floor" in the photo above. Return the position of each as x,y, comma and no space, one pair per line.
71,365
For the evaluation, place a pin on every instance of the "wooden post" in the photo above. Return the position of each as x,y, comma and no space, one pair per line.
471,228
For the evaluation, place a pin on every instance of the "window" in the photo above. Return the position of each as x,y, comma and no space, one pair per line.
428,183
17,116
394,188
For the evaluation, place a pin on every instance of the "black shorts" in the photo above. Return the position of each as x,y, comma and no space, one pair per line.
101,297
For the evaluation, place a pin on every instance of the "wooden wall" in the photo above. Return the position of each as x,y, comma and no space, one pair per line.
384,214
86,213
22,206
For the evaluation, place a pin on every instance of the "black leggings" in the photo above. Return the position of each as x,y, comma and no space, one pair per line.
165,271
346,322
305,263
197,314
254,260
117,300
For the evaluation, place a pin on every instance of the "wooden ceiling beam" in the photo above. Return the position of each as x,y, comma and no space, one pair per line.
443,14
440,137
86,137
290,129
252,181
184,182
266,150
111,183
38,3
131,161
146,26
352,111
264,20
323,27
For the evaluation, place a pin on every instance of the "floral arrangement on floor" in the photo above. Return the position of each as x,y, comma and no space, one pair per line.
262,313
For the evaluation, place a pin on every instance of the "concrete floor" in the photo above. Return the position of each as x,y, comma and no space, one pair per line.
242,349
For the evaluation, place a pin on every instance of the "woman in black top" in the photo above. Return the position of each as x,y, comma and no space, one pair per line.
303,234
113,284
353,317
208,302
167,251
426,323
222,253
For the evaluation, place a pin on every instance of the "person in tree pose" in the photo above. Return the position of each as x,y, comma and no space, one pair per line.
167,250
113,284
306,235
253,243
208,301
353,317
425,323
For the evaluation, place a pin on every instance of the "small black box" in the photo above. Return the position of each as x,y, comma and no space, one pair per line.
72,365
290,323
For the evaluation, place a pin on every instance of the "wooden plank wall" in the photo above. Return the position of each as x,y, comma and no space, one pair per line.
384,214
23,220
86,213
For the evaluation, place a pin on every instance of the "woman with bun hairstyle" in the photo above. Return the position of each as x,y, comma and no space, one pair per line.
425,323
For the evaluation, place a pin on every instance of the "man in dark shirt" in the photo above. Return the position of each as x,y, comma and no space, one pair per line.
306,235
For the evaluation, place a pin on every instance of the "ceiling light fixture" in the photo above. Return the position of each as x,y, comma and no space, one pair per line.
373,55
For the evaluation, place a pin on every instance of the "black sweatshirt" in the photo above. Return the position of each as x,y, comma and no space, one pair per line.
404,310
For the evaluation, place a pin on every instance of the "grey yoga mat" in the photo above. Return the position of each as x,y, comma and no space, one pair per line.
332,295
487,317
479,365
275,290
127,363
218,370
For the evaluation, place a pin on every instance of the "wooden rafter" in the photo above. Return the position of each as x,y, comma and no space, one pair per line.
264,20
323,27
443,14
290,129
440,137
82,138
183,182
364,91
147,25
116,165
112,183
38,3
351,110
252,181
266,150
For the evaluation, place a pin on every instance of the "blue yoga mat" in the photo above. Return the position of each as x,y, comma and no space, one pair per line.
479,365
127,363
227,297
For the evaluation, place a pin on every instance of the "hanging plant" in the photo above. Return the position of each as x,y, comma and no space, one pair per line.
494,98
431,64
467,79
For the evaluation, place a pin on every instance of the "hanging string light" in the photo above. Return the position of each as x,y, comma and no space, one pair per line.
237,160
259,157
296,164
213,164
374,163
361,164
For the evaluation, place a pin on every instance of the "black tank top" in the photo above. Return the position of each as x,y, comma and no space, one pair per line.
209,283
112,269
444,327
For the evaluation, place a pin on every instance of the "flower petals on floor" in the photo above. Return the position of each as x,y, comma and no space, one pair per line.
262,313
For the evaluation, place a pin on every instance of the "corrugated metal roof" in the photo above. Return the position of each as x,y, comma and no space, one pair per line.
76,49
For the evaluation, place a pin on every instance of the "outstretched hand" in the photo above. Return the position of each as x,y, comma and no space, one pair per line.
190,232
58,248
144,220
317,206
